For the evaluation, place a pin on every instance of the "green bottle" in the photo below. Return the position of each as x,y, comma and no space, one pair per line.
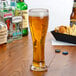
21,10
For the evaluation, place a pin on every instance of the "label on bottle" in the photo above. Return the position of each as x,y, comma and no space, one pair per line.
25,19
17,19
24,15
7,15
72,21
74,4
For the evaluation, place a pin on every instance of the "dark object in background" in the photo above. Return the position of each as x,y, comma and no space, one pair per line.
64,37
74,0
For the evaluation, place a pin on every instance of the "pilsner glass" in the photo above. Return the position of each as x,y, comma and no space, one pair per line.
38,21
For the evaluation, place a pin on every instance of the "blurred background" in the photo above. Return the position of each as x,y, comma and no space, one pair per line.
59,10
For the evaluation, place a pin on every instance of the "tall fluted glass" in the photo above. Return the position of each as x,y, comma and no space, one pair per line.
38,21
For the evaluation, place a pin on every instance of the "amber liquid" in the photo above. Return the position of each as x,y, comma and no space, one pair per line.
73,16
38,27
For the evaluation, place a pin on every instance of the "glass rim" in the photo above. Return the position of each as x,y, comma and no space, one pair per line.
38,10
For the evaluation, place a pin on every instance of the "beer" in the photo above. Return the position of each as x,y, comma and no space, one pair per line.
38,26
73,14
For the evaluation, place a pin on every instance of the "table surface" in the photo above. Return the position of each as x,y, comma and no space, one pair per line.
16,58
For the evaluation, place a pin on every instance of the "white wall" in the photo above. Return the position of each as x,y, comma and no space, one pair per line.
59,10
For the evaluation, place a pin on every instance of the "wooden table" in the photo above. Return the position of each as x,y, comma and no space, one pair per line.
16,58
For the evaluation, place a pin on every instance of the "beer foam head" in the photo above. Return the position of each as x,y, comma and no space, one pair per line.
38,12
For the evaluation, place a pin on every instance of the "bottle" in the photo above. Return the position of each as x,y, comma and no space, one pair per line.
73,14
6,17
21,10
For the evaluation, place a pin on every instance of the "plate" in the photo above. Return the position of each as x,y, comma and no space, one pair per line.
64,37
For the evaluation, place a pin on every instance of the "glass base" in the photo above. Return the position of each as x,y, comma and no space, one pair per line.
34,68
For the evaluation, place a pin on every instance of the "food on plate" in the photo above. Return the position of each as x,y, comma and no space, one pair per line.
70,30
62,29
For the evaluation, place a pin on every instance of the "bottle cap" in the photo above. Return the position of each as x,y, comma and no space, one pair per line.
65,53
57,51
